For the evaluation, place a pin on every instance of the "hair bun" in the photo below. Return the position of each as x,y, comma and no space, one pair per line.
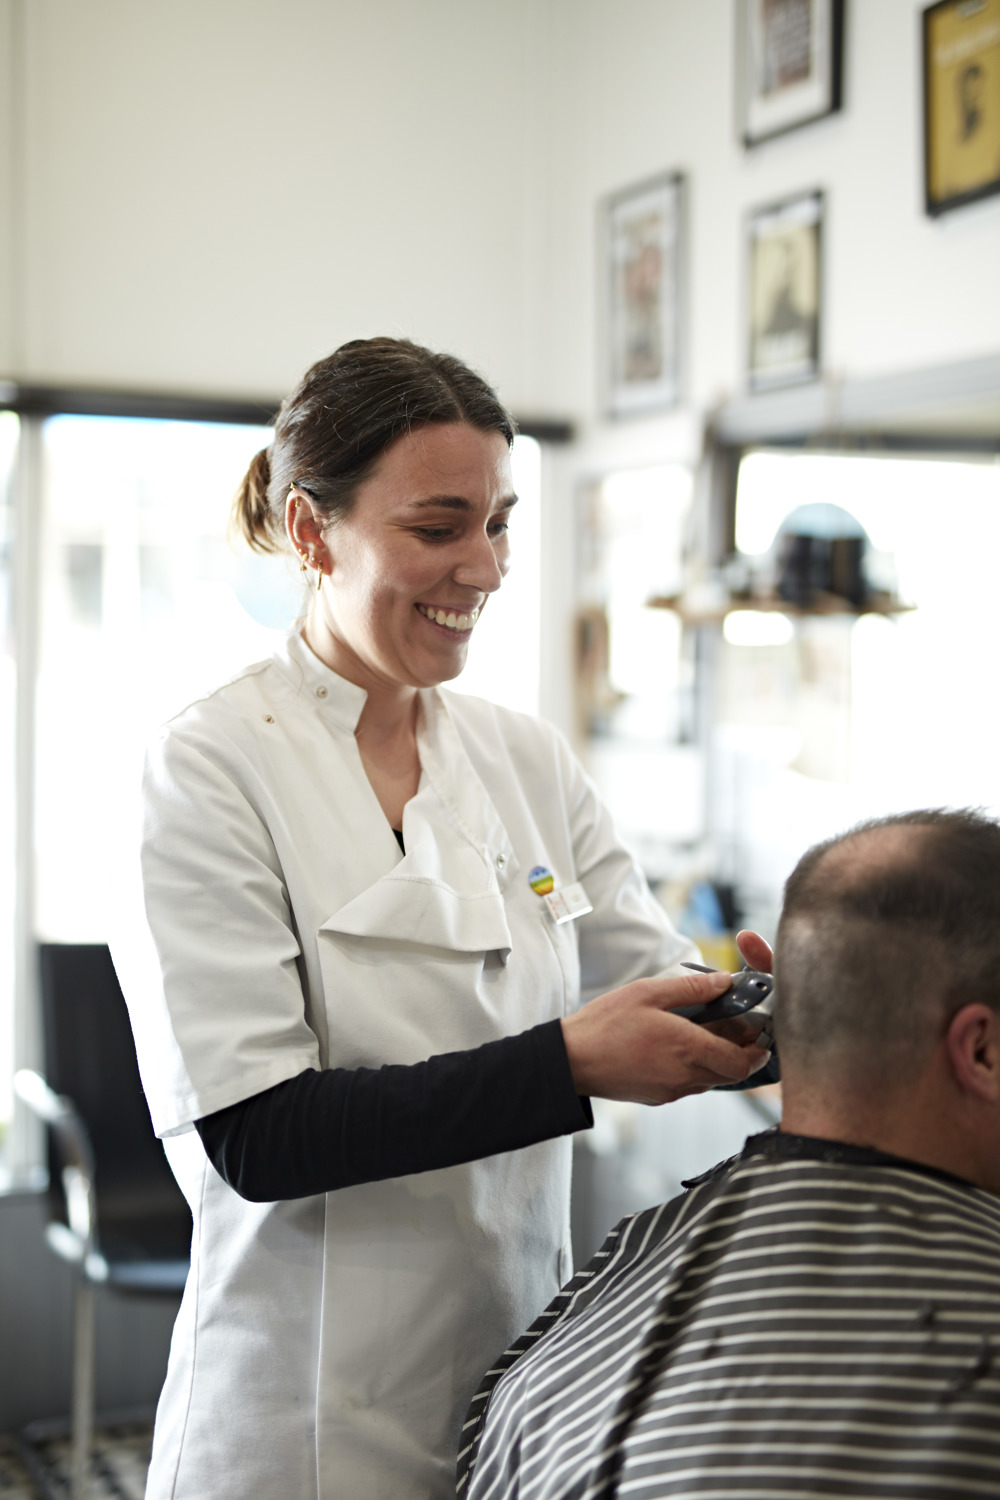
250,509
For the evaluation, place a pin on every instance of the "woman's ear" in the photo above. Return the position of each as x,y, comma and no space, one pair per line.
303,524
973,1045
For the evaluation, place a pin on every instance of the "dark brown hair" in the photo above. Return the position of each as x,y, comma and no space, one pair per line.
345,412
882,939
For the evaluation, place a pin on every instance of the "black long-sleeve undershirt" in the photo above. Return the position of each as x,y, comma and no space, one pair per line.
343,1126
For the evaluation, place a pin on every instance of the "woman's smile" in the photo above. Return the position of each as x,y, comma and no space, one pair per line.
411,565
452,619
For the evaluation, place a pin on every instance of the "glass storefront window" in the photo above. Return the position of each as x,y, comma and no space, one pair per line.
505,652
144,605
9,429
844,719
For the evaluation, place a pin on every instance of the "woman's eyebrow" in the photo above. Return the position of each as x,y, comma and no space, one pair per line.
456,502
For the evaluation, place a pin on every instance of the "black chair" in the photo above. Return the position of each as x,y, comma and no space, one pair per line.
116,1213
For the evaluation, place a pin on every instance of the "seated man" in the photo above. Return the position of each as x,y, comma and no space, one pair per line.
821,1314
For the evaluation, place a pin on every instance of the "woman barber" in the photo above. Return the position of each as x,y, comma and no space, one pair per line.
347,978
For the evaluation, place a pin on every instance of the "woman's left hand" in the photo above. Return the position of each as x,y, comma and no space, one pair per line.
755,952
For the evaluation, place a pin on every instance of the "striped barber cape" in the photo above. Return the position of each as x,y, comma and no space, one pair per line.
808,1319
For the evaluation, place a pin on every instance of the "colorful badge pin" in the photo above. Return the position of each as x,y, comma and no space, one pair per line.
541,880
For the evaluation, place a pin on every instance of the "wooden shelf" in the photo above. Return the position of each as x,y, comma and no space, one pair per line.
877,603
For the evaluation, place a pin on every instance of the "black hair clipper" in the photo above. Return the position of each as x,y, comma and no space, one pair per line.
751,995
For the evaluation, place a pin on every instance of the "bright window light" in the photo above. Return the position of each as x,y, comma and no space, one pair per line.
755,627
908,698
644,514
144,607
9,429
505,651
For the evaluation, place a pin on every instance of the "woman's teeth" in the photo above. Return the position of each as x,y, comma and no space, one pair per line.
449,618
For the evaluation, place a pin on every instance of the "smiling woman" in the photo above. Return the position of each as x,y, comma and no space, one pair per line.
404,575
355,1013
407,572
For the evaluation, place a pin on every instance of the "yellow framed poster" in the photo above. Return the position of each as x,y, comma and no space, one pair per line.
961,102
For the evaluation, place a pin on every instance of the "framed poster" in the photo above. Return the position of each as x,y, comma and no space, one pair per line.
785,291
961,102
790,60
641,269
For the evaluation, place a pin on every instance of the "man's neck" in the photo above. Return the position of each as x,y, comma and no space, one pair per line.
913,1123
777,1144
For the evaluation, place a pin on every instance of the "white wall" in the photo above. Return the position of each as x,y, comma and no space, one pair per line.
640,86
206,195
211,193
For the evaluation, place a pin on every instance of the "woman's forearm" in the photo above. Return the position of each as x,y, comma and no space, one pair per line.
343,1126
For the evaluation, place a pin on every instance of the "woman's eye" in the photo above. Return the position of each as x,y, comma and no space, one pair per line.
446,533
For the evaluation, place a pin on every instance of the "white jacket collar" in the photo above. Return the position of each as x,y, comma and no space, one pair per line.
332,694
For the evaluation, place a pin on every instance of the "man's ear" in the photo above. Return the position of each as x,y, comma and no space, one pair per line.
973,1043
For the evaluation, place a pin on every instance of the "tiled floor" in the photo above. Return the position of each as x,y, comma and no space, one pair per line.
121,1458
14,1482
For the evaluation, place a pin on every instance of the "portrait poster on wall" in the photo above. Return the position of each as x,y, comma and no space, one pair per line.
961,102
790,56
785,284
641,270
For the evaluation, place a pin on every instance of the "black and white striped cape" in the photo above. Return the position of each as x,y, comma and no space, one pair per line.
807,1320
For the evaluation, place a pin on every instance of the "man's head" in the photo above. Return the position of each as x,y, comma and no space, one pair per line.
888,979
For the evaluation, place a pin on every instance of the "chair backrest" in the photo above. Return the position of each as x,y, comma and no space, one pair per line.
90,1057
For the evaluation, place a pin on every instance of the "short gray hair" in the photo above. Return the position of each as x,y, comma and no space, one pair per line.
883,937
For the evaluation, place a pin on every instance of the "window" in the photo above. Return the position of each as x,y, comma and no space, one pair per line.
139,604
143,607
634,676
847,718
8,738
504,655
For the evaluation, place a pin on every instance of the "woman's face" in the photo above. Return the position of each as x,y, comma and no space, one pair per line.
411,567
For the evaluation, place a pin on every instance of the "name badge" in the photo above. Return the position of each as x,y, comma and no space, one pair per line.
567,904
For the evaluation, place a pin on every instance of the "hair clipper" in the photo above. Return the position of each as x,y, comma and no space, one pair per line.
751,995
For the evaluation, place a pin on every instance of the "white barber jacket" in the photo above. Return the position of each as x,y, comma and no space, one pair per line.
329,1346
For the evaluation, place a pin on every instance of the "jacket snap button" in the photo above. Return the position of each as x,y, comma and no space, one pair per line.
500,861
321,692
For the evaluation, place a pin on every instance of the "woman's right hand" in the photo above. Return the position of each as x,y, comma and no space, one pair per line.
627,1045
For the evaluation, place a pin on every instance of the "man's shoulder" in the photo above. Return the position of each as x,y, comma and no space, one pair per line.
779,1177
813,1156
637,1241
755,1259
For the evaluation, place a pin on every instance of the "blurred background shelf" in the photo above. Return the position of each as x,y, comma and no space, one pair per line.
876,603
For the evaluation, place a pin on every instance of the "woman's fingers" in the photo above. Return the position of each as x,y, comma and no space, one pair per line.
682,989
627,1045
725,1058
743,1030
756,953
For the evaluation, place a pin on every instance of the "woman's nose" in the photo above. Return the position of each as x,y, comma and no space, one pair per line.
484,563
